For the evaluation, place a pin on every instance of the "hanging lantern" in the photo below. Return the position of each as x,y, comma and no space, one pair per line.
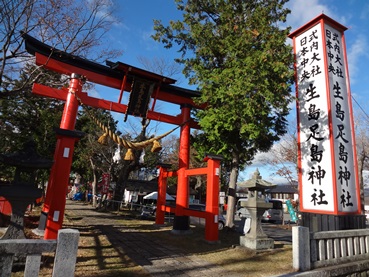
156,147
103,139
129,155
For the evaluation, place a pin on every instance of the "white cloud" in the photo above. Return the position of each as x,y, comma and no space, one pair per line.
148,41
304,11
259,159
364,12
94,93
355,55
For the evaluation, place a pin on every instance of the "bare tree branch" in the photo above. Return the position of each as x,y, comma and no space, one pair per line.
76,27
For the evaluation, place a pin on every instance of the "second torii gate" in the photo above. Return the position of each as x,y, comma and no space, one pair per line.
211,213
122,77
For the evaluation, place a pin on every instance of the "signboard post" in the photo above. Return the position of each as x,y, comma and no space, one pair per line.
328,176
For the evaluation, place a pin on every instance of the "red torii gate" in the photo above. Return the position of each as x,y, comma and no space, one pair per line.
212,197
119,76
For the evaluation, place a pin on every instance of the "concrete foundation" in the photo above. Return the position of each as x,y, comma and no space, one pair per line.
257,243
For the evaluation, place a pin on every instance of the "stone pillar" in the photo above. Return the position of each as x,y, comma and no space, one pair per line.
301,248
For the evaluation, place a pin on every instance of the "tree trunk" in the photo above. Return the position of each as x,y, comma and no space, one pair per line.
232,191
94,183
129,166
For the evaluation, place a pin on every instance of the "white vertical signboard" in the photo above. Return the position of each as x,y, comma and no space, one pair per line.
328,177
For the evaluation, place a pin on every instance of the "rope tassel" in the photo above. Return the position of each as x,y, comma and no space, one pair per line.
103,139
156,146
129,155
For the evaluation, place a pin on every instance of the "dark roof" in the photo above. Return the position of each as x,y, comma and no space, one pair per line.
113,69
150,186
142,185
283,189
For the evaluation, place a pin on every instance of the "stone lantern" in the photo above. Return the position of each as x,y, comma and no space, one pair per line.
256,204
21,192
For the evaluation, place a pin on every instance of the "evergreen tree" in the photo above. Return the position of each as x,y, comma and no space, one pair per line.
24,117
236,53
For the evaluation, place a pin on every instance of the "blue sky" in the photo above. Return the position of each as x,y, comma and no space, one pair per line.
132,35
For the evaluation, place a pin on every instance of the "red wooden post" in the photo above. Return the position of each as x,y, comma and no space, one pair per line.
162,191
181,222
59,177
212,198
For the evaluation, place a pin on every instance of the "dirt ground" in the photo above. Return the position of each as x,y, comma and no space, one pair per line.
120,243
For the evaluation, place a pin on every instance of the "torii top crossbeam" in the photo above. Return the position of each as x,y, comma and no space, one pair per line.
116,75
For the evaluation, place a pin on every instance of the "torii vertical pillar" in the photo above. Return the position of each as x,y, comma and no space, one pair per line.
212,197
59,177
181,222
162,191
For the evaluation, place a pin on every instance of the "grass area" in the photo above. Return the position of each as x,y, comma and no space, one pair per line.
251,263
231,256
99,256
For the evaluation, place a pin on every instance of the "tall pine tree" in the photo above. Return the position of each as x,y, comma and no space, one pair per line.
236,53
